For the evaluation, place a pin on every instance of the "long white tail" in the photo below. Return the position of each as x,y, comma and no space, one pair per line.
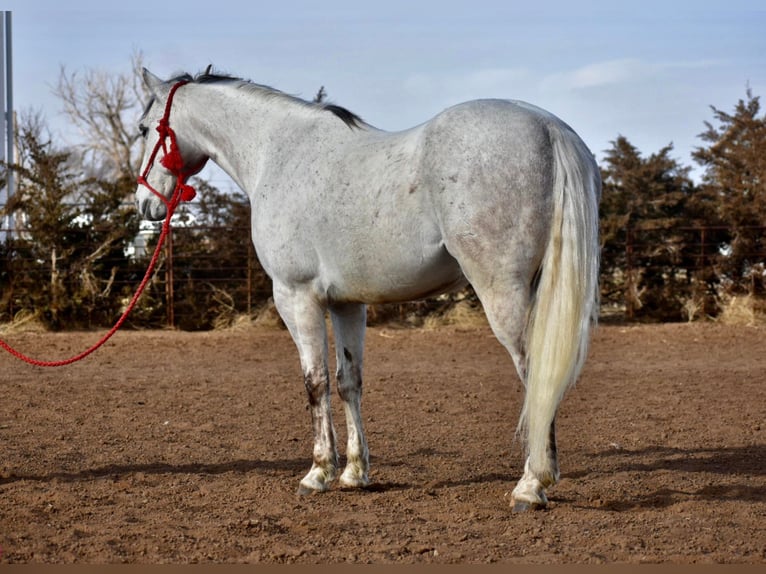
565,304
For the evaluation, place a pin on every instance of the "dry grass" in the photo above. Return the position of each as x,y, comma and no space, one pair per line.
461,314
23,322
742,310
268,317
692,308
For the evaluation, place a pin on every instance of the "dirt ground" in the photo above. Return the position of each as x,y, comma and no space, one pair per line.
188,447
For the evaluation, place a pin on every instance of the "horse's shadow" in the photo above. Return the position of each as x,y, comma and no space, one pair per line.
750,459
116,471
736,467
738,463
292,467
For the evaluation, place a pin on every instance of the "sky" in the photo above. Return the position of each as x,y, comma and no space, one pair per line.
648,70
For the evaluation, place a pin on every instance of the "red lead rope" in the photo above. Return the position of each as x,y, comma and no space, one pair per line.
173,162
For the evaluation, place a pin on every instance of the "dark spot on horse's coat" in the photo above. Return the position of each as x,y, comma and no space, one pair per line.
553,449
453,178
347,354
314,388
413,187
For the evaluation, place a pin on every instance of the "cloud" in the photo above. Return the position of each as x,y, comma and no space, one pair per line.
652,102
632,74
603,73
618,72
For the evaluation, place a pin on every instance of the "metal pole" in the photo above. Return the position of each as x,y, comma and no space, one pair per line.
7,138
629,303
2,89
250,269
4,195
9,103
169,287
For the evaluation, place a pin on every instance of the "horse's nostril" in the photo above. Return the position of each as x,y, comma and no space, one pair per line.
157,213
149,211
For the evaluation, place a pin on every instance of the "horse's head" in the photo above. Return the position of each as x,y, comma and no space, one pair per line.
170,158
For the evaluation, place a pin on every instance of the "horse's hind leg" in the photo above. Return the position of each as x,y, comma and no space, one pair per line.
349,323
506,304
305,319
530,490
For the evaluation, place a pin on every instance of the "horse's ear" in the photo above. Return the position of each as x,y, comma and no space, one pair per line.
152,82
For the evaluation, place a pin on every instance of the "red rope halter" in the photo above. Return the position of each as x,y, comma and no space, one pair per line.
173,162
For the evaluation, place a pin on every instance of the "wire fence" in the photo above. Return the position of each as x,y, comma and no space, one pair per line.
192,287
681,272
236,284
192,280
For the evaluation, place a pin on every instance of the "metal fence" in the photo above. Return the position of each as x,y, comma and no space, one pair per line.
661,272
235,282
693,248
240,286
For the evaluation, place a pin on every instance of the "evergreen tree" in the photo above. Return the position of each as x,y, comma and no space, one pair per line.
646,213
734,182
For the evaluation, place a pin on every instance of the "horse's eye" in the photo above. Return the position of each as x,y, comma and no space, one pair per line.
143,130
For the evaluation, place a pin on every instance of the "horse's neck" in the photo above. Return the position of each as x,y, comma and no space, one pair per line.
218,122
240,131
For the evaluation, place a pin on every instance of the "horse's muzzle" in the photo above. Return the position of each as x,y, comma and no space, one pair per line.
151,210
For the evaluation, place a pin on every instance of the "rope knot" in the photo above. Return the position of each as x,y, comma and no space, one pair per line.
187,192
163,128
172,161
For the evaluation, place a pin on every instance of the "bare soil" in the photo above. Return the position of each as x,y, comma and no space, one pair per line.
172,447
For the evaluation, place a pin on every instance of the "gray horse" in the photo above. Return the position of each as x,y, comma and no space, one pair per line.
499,194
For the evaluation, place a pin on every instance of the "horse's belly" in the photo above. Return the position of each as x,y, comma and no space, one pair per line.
386,279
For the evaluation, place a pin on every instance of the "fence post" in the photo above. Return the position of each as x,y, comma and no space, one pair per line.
169,294
250,267
629,308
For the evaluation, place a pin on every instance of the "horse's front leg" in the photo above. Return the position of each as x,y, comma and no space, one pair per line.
305,319
349,324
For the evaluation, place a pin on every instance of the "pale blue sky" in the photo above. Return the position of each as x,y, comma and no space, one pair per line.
648,70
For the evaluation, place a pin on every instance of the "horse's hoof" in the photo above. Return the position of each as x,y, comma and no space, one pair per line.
528,495
307,487
520,506
304,490
317,480
353,484
353,479
520,502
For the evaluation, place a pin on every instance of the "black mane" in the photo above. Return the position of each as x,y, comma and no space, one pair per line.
348,117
